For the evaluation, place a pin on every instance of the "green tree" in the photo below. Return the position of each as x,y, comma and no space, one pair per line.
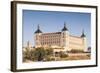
49,51
26,54
39,54
49,54
63,55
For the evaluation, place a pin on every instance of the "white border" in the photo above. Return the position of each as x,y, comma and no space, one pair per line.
34,65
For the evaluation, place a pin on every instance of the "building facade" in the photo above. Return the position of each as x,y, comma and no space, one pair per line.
60,41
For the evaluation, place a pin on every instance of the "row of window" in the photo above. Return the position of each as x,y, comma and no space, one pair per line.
49,43
50,40
45,43
49,36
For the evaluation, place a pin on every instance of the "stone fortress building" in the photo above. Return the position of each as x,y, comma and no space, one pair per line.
60,41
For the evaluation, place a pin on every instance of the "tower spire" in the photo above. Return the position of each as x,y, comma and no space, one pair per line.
38,29
64,24
83,35
38,26
64,28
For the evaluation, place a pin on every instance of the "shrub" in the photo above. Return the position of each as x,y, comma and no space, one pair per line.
26,54
39,54
63,55
49,51
76,51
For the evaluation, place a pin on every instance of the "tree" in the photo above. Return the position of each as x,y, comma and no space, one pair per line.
26,54
89,49
63,55
49,54
49,51
39,54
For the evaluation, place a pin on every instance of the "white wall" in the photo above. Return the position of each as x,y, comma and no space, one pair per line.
5,37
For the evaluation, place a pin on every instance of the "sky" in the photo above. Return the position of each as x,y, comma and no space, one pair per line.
52,21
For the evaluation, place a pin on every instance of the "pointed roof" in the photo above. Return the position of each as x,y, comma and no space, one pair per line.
38,29
64,28
83,35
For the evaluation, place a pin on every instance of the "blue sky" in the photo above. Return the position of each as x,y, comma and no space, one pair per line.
52,21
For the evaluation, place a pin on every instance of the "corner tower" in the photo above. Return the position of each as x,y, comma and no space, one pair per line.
65,38
37,33
84,41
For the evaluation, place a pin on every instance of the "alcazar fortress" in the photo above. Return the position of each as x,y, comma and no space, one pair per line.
60,41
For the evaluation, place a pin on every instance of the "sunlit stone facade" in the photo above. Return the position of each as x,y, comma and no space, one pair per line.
62,41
